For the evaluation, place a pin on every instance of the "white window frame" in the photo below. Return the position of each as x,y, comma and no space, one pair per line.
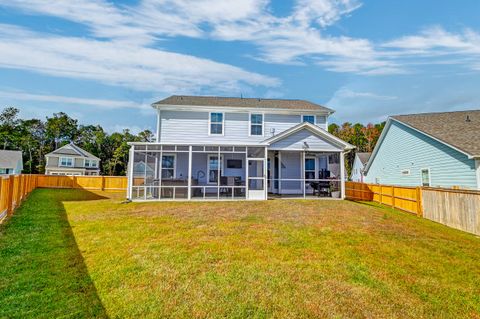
164,168
210,123
314,169
66,157
222,172
429,177
250,123
314,118
90,162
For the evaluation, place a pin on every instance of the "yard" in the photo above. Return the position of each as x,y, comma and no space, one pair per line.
72,253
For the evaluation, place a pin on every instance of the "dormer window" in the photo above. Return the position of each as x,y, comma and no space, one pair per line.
90,163
256,124
309,119
216,123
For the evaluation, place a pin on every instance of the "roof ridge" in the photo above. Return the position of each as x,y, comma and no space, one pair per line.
429,113
244,98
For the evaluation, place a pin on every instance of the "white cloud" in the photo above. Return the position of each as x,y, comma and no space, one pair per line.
98,103
113,62
345,93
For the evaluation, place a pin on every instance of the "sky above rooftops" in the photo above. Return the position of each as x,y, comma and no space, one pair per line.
104,62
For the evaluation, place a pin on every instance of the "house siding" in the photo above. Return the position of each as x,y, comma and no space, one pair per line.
357,169
296,142
192,127
406,149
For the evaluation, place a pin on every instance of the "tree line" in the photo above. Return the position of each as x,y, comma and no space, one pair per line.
36,138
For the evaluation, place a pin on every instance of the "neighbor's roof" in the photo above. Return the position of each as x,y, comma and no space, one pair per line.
364,157
10,159
458,129
72,150
242,102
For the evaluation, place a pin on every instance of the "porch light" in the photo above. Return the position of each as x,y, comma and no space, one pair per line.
305,146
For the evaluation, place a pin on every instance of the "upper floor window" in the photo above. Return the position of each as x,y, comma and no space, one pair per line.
256,124
216,123
66,161
90,163
308,118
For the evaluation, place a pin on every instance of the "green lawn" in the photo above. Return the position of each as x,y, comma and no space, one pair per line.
78,254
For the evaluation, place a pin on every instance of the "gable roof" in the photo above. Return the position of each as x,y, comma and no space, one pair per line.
363,157
72,150
218,101
10,159
315,130
459,129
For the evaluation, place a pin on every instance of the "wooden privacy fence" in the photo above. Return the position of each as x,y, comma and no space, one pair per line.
15,188
452,207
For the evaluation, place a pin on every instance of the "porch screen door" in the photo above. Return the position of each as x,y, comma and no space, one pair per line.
256,179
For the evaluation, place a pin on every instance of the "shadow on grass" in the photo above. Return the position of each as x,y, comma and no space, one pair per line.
42,271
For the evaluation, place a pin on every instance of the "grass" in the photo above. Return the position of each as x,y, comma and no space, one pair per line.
78,254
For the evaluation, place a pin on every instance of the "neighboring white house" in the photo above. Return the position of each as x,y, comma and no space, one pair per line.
358,167
430,149
71,160
238,148
11,162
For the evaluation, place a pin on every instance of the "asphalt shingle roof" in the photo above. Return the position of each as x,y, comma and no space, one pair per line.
459,129
242,102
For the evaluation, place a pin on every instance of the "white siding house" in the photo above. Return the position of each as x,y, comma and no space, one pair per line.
430,149
237,148
358,167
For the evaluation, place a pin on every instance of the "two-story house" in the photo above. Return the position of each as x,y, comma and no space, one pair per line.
238,148
71,160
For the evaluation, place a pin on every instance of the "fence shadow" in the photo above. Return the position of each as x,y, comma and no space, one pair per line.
43,273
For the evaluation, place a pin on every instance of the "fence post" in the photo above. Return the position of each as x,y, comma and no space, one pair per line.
393,197
11,182
103,183
381,194
419,202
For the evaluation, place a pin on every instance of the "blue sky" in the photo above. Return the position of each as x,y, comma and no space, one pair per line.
104,62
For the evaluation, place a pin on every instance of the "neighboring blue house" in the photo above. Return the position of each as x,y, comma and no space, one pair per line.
11,162
358,167
430,149
238,148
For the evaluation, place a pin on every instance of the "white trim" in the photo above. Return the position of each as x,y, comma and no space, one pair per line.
210,122
174,165
342,175
159,124
220,163
215,109
66,157
429,176
250,123
314,118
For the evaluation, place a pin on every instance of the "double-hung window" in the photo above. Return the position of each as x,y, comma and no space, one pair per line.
425,177
308,118
256,124
215,168
90,163
310,167
168,166
66,161
216,123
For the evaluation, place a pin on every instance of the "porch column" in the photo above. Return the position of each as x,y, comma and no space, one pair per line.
189,182
131,157
279,172
265,177
342,174
304,186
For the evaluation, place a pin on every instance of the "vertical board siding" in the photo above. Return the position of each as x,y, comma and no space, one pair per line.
192,127
406,149
457,209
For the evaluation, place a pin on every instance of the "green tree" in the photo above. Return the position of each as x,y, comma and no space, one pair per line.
61,129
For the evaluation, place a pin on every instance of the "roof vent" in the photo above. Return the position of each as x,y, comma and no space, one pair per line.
468,119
